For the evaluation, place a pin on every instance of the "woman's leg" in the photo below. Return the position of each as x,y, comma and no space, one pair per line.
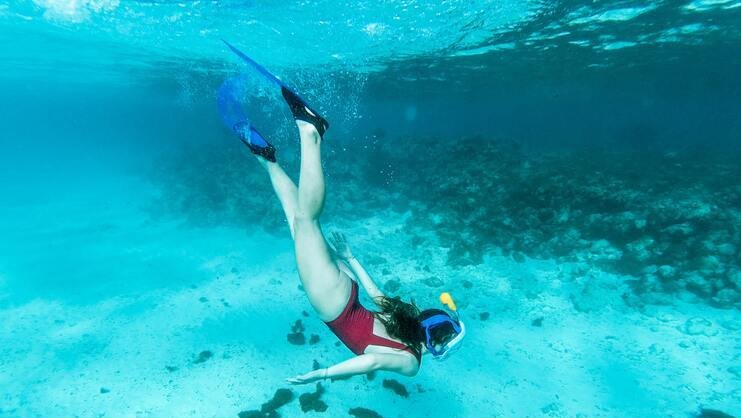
284,188
326,288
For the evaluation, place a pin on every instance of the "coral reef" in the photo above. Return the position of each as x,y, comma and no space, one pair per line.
671,221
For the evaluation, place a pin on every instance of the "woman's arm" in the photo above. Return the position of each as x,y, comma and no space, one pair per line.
362,364
364,278
343,251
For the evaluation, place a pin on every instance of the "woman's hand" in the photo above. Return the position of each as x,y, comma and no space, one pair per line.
312,376
340,244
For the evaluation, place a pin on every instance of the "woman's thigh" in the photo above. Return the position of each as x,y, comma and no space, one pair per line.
326,287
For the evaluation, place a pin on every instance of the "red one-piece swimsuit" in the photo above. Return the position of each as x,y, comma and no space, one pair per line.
354,327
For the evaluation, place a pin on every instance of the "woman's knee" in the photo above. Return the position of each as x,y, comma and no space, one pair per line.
298,224
302,219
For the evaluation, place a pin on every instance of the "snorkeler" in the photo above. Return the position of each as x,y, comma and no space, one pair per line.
393,339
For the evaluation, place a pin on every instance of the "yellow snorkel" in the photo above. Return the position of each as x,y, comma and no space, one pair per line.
447,300
454,344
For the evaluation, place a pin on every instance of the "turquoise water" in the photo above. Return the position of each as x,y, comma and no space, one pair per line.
567,170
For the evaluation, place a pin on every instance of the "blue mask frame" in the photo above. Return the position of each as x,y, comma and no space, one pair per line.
432,322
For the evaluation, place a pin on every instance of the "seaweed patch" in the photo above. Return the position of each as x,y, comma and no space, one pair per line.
312,401
364,413
396,387
296,336
269,408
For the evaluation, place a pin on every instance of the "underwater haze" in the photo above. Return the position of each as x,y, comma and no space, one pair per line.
568,170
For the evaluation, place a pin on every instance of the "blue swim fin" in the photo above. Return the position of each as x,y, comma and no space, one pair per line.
235,119
256,66
299,107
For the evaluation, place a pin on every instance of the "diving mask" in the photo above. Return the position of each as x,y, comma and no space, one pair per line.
440,320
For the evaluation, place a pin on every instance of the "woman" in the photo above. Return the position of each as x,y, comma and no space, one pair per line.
393,339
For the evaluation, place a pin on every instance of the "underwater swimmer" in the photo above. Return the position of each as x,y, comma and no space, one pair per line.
392,339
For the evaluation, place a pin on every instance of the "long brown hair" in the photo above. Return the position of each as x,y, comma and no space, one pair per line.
401,320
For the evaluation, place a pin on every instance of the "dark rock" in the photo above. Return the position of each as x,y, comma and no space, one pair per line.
305,314
280,398
269,408
104,390
203,356
397,387
203,299
552,409
712,413
371,375
313,339
171,368
385,272
315,365
391,285
537,322
467,284
699,326
376,259
312,401
297,326
258,414
234,270
296,338
225,303
337,343
433,281
364,413
484,316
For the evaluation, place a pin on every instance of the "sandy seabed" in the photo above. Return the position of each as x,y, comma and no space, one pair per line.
107,313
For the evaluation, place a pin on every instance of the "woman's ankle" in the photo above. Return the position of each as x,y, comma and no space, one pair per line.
307,131
264,162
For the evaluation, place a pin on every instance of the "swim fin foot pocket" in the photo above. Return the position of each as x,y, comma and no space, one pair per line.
255,142
302,112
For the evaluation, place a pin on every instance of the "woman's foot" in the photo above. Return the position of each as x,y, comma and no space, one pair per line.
255,142
308,131
301,111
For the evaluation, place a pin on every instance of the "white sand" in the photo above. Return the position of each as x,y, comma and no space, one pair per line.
104,298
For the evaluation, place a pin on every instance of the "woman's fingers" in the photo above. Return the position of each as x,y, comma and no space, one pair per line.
302,379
